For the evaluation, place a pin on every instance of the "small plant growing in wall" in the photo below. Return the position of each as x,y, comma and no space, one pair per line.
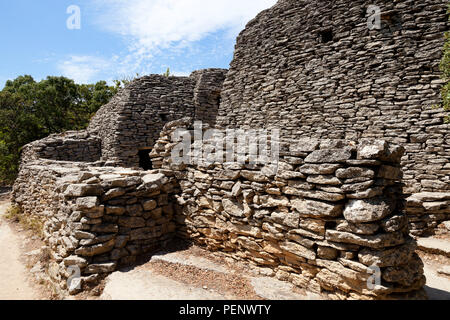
167,73
445,68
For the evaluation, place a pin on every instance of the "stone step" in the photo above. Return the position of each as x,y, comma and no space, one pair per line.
435,246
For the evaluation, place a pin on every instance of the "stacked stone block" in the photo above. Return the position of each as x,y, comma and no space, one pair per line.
134,118
69,146
426,211
96,219
330,212
315,69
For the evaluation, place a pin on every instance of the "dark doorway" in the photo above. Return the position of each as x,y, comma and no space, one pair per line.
144,159
326,36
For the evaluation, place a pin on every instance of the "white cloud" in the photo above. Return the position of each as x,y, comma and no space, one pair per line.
83,69
172,29
152,25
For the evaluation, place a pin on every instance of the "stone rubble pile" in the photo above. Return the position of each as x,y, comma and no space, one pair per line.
132,121
96,218
330,212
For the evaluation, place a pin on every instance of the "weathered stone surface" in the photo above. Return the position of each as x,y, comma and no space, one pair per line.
268,201
392,257
373,241
372,149
96,249
114,193
105,228
271,84
311,208
75,261
149,205
132,222
321,179
327,253
117,211
368,210
101,268
82,190
290,219
407,274
298,250
395,223
355,172
329,156
233,208
358,228
314,194
319,169
367,194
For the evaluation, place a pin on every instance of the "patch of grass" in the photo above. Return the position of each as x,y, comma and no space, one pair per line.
28,222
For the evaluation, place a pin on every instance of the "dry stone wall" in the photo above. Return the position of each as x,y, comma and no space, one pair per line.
96,218
331,211
426,211
314,69
134,118
70,146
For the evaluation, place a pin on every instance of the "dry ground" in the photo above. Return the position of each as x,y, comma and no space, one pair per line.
16,281
181,272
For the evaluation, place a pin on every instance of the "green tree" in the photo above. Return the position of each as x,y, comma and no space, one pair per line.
31,110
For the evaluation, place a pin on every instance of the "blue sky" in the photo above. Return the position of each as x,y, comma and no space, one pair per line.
119,38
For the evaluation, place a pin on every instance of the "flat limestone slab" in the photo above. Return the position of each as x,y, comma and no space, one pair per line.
273,289
146,285
433,245
430,196
189,260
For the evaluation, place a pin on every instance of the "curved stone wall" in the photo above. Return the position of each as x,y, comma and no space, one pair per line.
68,146
328,219
314,69
135,117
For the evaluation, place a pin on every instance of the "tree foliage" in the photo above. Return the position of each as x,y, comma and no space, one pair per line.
31,110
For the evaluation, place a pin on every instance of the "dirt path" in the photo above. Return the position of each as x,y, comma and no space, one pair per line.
14,284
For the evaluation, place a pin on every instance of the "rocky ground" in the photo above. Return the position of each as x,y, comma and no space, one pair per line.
178,273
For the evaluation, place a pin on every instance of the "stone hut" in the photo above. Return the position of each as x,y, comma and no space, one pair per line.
123,132
349,100
314,69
